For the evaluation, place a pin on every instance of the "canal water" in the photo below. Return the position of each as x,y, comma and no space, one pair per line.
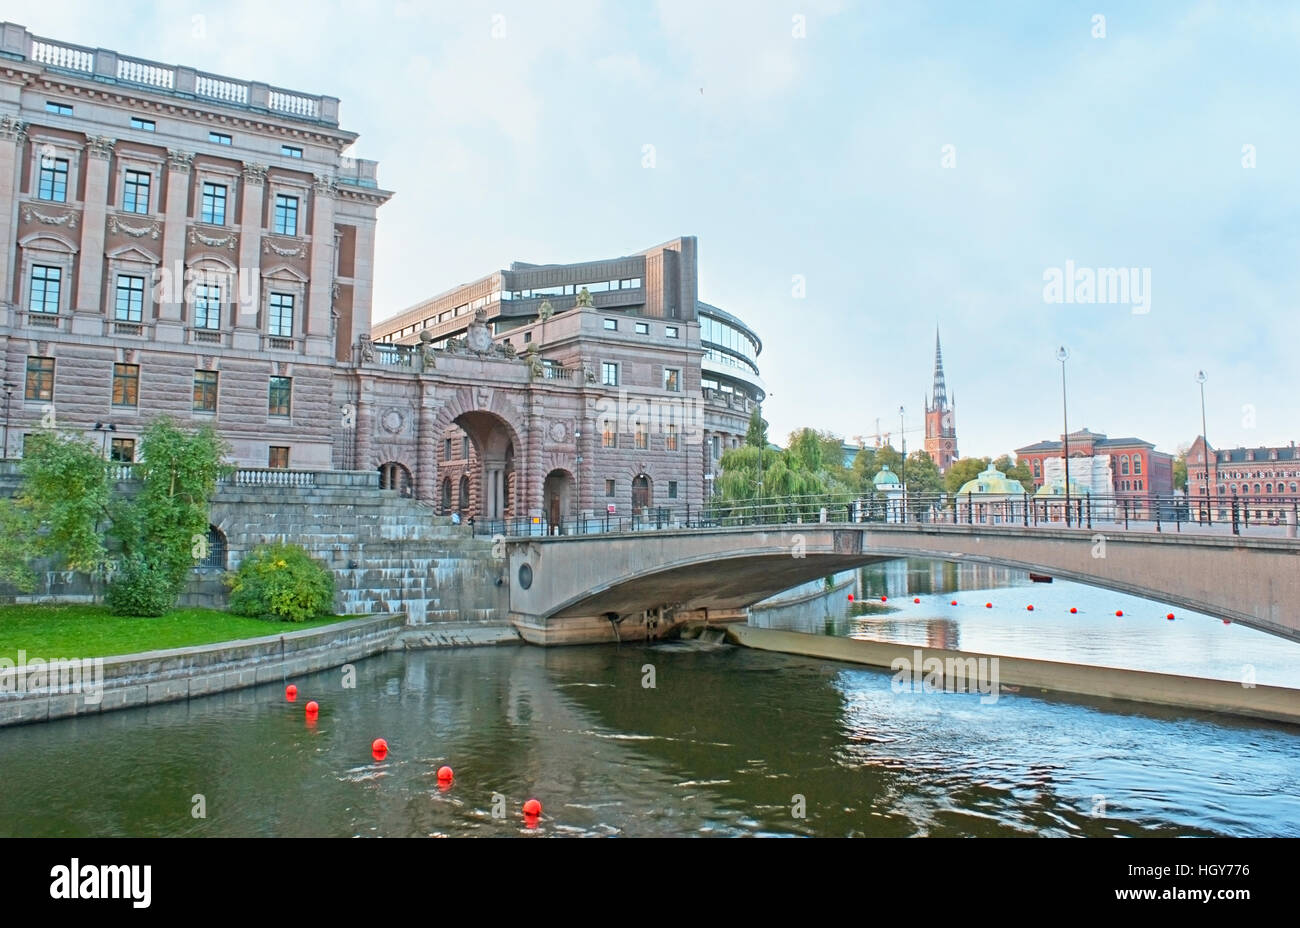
726,742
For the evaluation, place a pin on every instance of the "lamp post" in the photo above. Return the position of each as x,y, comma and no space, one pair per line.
1063,355
902,439
9,395
1209,515
577,477
105,428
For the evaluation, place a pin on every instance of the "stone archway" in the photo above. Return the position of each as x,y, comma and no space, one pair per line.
557,499
642,494
495,442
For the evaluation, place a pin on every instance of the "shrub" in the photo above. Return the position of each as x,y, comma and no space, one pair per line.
139,588
281,581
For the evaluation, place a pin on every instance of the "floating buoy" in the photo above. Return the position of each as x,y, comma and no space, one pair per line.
850,597
1119,611
379,748
291,692
988,605
444,774
313,708
532,808
1073,610
884,599
1227,621
1030,608
1170,617
954,602
916,599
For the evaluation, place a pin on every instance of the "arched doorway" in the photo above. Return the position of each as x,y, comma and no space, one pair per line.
494,444
641,494
395,476
446,496
557,498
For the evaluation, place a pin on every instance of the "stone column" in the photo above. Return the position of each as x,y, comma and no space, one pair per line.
171,295
13,133
426,450
320,297
247,332
365,422
89,313
363,276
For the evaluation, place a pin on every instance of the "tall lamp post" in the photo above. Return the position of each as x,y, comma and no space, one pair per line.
105,427
902,438
577,479
9,395
1063,355
1209,515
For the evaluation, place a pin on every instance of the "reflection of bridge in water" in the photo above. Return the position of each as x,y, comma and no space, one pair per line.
605,587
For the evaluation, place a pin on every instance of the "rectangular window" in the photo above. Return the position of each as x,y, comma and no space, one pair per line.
670,331
608,437
278,457
281,315
609,487
53,184
715,445
672,489
609,374
148,125
642,437
643,328
286,215
135,197
611,324
205,391
220,138
280,396
213,208
126,384
122,450
464,447
44,297
673,379
670,439
40,379
130,298
207,306
58,109
289,151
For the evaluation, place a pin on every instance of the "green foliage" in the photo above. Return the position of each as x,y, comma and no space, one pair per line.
756,435
864,468
281,581
63,497
15,535
140,590
1016,471
923,480
1180,468
962,470
795,483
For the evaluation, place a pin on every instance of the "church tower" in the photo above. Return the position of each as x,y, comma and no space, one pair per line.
940,424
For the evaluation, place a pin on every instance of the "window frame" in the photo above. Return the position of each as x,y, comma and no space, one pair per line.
127,377
609,369
286,386
275,306
131,293
131,187
205,389
53,171
271,456
44,379
220,138
45,282
280,213
144,125
224,198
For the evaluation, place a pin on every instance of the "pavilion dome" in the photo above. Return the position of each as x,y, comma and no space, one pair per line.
1057,490
885,478
992,482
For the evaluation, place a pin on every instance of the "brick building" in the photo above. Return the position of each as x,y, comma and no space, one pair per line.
1265,481
1138,471
940,418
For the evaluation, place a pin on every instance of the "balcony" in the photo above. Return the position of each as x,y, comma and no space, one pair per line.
282,343
54,322
109,67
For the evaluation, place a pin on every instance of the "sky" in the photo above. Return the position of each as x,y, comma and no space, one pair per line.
856,174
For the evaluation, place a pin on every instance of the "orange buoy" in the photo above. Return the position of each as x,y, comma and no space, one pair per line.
1119,611
291,692
916,599
532,808
444,774
379,748
313,708
1073,610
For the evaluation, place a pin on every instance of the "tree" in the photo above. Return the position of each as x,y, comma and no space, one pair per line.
756,435
962,470
923,477
1017,471
1180,468
64,496
864,468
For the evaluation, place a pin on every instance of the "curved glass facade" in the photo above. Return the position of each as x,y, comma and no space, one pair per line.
731,350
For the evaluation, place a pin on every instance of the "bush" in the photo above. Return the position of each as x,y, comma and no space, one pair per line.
140,589
281,581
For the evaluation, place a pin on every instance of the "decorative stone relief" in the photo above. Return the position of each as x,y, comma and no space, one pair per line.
224,241
152,229
30,213
11,129
100,146
392,421
254,174
269,246
180,161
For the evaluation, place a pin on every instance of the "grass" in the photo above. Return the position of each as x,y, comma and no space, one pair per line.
77,630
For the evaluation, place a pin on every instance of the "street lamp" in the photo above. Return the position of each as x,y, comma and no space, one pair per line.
1063,355
1209,515
9,395
105,428
577,476
902,436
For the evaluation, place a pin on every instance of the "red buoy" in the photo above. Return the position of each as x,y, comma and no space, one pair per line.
313,708
379,748
988,605
1073,610
532,808
1030,608
1119,611
916,599
884,599
1227,621
444,774
850,597
291,692
954,602
1170,617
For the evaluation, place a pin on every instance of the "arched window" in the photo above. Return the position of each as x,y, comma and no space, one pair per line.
1038,470
1137,464
216,549
446,495
464,493
1123,464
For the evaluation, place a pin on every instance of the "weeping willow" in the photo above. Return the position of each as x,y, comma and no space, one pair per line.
788,485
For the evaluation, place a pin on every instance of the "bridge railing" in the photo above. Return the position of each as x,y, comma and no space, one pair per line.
1256,515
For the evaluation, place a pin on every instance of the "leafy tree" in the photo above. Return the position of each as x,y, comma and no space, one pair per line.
864,468
64,495
888,456
962,470
1017,471
281,581
756,435
1180,468
923,477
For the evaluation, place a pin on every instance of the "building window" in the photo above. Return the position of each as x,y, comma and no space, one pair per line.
642,436
278,457
715,443
205,391
670,440
1123,463
44,296
611,324
608,436
464,447
54,180
643,328
147,125
280,396
1038,469
286,215
135,197
58,109
1137,464
281,315
609,487
122,450
213,210
673,379
220,138
528,337
40,379
130,298
609,374
216,549
672,489
670,331
126,384
446,449
289,151
207,306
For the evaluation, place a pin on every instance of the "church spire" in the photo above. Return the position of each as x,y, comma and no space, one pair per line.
940,388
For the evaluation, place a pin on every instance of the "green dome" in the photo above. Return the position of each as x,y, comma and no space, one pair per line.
1054,490
992,482
886,477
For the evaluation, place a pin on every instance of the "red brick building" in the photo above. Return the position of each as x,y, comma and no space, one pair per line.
1138,471
1265,481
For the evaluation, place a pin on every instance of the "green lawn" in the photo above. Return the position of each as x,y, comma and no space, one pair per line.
77,631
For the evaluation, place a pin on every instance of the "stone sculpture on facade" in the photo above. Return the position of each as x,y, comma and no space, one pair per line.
367,348
584,298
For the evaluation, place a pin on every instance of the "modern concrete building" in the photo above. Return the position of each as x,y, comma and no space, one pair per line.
1264,481
173,241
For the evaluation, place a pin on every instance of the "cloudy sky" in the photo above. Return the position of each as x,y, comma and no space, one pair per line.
912,164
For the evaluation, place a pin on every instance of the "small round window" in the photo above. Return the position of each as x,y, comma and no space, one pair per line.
525,575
